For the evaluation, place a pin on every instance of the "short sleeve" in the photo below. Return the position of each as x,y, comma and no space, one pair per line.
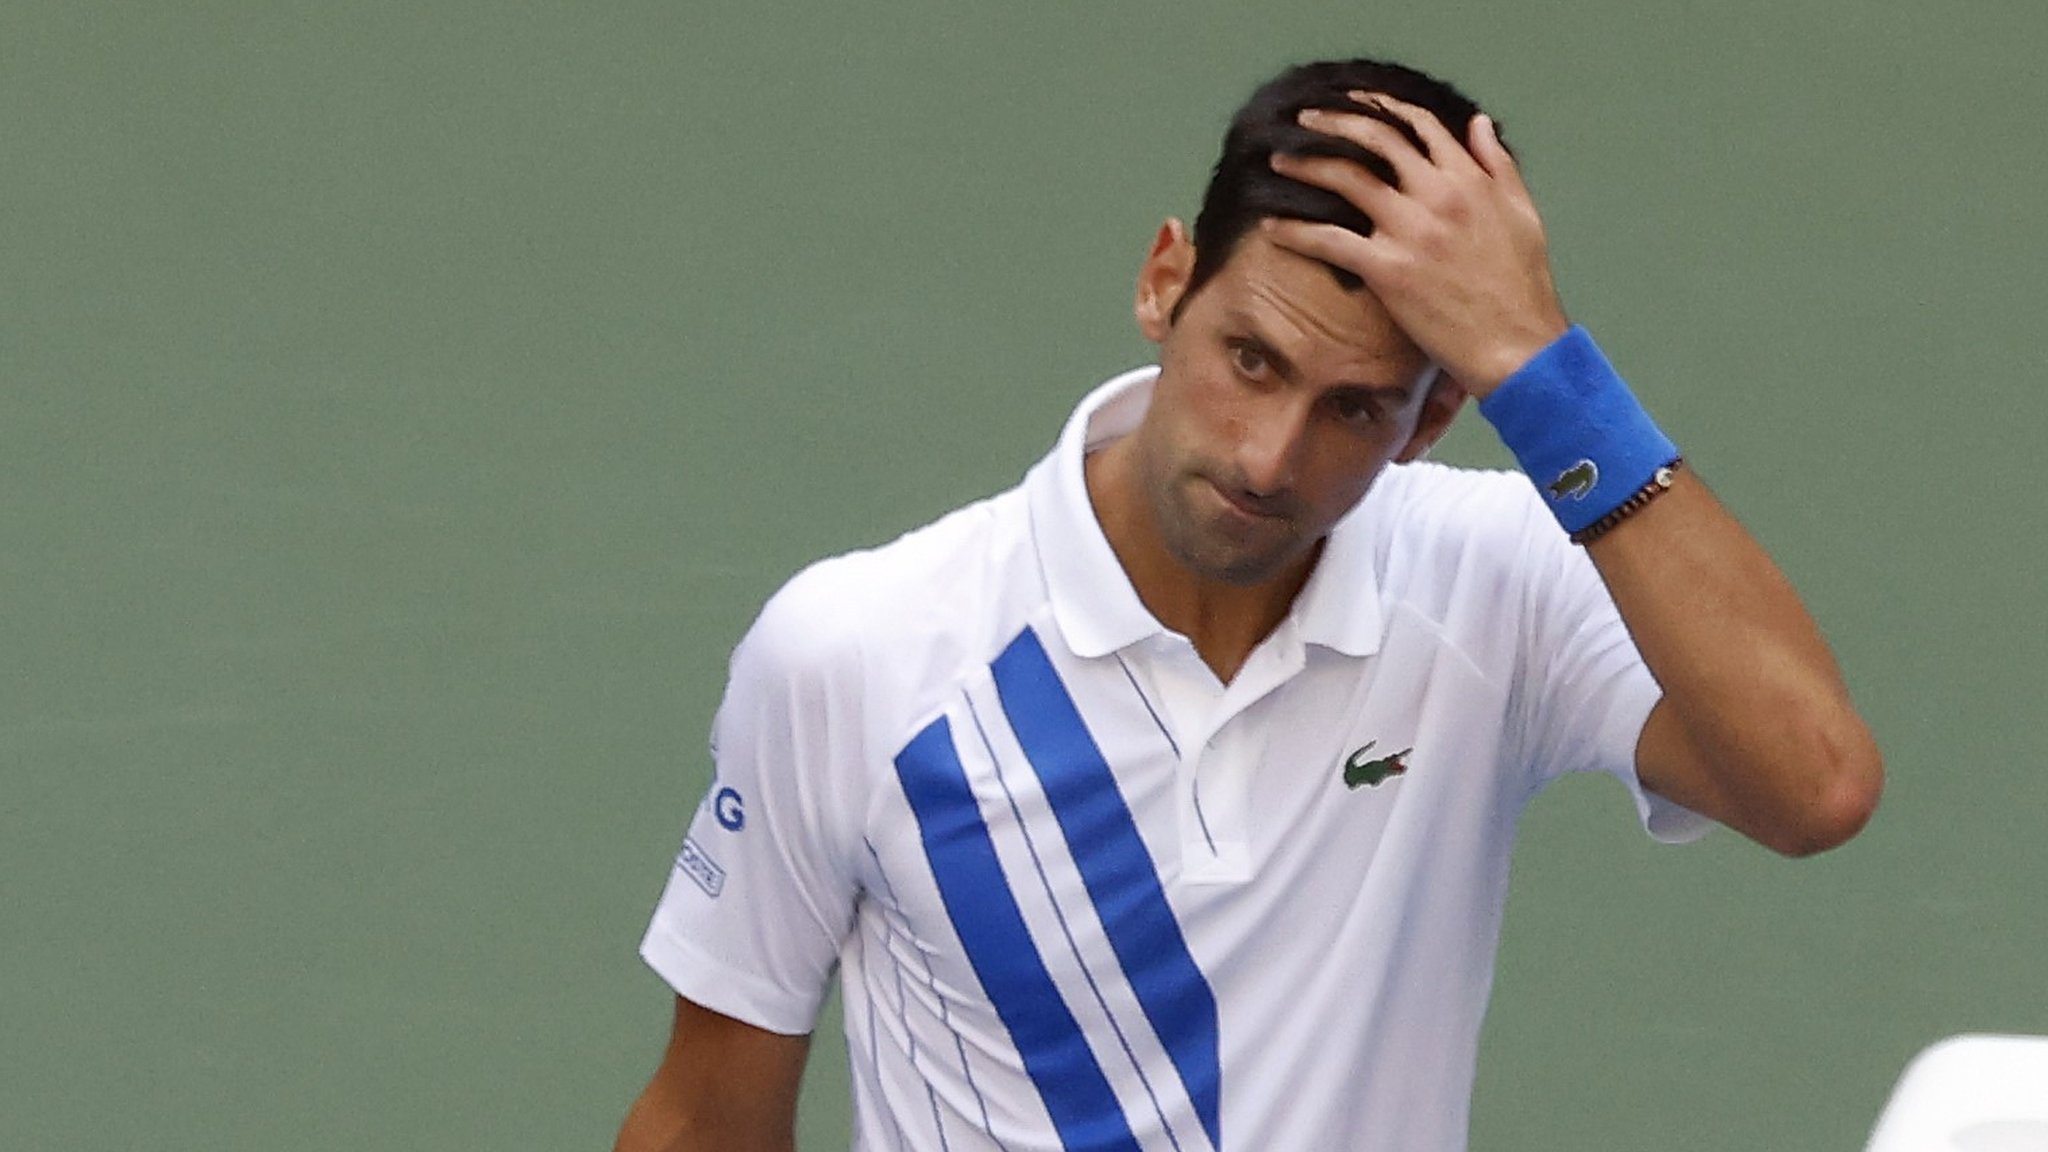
1585,692
762,893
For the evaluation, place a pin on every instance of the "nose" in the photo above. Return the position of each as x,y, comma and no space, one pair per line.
1271,441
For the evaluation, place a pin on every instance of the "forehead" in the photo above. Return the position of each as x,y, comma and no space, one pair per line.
1296,304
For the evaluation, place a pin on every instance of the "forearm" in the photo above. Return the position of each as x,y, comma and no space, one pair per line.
662,1123
722,1086
1757,728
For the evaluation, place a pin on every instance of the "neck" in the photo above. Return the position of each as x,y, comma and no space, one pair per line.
1223,621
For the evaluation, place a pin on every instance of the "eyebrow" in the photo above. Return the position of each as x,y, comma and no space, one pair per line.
1392,395
1399,394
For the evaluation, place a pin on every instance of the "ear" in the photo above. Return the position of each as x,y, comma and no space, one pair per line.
1162,279
1446,395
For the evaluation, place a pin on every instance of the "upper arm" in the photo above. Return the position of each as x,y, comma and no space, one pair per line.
769,877
1670,765
722,1084
1588,702
1782,813
750,924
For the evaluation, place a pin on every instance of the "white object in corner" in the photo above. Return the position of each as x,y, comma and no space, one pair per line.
1970,1093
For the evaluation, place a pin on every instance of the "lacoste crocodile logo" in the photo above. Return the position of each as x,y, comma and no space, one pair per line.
1360,771
1575,481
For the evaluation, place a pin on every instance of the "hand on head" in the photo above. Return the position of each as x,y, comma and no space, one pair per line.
1457,251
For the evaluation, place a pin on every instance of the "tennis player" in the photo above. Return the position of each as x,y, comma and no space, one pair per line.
1165,801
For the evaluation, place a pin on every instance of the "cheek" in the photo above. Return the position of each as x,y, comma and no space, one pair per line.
1204,415
1346,491
1346,465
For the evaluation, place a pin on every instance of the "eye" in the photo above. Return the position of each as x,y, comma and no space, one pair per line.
1248,359
1355,408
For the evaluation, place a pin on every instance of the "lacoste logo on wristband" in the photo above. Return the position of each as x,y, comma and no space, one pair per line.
1575,481
1360,771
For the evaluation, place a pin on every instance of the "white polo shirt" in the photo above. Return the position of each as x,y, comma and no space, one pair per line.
1083,896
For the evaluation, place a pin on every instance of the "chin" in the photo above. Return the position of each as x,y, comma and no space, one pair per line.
1237,568
1213,549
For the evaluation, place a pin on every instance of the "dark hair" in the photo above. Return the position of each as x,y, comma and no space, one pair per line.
1243,188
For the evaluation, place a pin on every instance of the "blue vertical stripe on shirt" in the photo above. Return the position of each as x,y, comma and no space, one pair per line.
991,927
1117,869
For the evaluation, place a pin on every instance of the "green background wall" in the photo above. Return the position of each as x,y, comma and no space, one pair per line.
404,407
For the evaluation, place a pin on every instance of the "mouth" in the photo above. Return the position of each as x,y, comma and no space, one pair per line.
1249,510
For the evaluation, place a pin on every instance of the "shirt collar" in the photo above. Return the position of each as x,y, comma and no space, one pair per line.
1093,603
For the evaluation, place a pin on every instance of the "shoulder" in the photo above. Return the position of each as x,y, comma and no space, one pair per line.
878,613
1470,550
1435,514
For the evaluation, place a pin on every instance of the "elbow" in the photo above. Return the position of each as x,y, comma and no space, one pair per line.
1846,782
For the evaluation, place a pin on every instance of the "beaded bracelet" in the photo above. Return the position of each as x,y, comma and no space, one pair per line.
1659,484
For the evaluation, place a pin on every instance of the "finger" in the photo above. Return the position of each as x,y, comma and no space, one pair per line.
1374,135
1356,184
1446,151
1331,244
1494,155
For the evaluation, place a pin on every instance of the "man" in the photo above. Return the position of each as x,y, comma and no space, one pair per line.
1166,801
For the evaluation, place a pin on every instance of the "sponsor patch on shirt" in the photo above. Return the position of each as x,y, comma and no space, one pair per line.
730,809
701,868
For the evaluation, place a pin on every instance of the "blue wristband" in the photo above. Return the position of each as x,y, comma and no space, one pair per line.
1577,430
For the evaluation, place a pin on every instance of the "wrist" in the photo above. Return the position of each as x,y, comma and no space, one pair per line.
1577,430
1483,376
